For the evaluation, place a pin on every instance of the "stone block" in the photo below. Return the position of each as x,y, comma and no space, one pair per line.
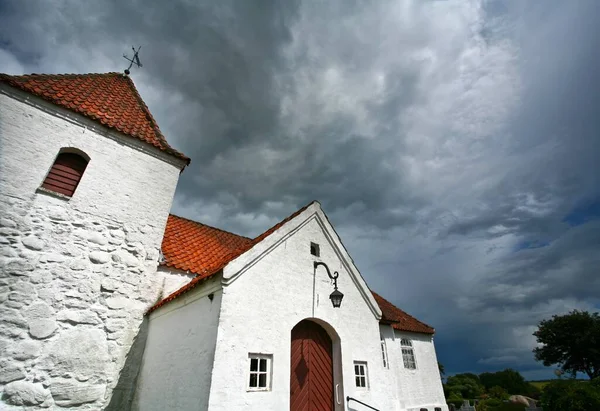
97,238
41,329
19,267
10,372
78,265
40,318
33,243
99,257
26,393
8,252
26,350
125,257
52,258
71,353
70,393
5,222
78,317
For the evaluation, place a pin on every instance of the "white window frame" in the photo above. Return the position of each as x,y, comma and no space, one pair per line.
361,372
384,354
408,354
267,372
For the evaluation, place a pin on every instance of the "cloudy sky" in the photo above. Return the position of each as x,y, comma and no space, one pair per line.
454,144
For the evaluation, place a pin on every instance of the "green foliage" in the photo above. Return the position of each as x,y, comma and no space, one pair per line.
572,395
571,341
510,380
498,392
467,385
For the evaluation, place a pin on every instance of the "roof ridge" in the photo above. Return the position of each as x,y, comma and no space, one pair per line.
84,93
209,226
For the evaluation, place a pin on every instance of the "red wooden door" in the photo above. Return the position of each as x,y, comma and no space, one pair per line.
311,377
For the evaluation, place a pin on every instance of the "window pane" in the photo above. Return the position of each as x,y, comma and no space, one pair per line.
263,364
358,381
254,364
356,370
262,380
363,382
253,380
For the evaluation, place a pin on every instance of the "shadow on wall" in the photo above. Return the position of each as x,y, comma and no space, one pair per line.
123,393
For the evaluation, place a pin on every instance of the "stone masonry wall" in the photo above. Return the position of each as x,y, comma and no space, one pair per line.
76,275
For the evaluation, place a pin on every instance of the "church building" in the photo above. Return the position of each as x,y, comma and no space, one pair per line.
109,302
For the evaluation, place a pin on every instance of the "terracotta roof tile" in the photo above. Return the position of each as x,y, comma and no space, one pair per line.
203,250
110,98
399,319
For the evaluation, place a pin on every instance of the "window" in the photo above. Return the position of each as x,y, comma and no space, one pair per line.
65,173
314,249
438,409
408,354
384,352
260,372
360,374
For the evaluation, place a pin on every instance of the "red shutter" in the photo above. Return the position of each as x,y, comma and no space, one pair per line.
65,173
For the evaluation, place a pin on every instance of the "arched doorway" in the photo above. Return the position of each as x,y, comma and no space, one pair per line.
311,373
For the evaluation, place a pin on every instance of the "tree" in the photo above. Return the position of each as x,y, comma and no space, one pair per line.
498,392
571,341
467,385
509,379
572,395
441,368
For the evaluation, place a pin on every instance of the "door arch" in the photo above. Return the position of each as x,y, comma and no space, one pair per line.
312,373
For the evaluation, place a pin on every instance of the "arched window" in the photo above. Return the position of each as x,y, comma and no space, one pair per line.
65,173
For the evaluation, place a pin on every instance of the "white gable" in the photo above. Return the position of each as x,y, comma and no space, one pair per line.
244,262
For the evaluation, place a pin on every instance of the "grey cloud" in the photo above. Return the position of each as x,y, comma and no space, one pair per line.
437,136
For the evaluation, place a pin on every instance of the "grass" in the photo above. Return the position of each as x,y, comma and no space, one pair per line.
539,384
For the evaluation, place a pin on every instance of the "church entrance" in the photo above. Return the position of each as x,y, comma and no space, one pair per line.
311,376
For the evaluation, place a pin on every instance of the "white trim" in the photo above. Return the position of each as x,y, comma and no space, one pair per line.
406,344
268,372
88,124
245,261
384,354
362,366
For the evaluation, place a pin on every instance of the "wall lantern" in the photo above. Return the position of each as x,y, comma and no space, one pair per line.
336,296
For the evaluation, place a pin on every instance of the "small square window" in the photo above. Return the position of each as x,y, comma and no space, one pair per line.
361,376
314,249
260,372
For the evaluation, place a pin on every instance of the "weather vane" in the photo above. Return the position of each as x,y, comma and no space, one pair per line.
135,60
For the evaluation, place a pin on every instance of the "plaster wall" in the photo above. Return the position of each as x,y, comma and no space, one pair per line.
422,387
260,308
76,275
173,279
178,359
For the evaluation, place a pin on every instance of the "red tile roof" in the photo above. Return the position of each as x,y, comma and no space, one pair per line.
110,98
399,319
204,250
198,248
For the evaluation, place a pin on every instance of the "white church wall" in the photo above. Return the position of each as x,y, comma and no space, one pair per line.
260,308
178,359
173,279
421,387
76,275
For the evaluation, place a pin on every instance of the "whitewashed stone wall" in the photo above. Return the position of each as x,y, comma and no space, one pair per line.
76,275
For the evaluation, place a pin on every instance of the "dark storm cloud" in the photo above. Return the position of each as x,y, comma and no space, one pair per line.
452,144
